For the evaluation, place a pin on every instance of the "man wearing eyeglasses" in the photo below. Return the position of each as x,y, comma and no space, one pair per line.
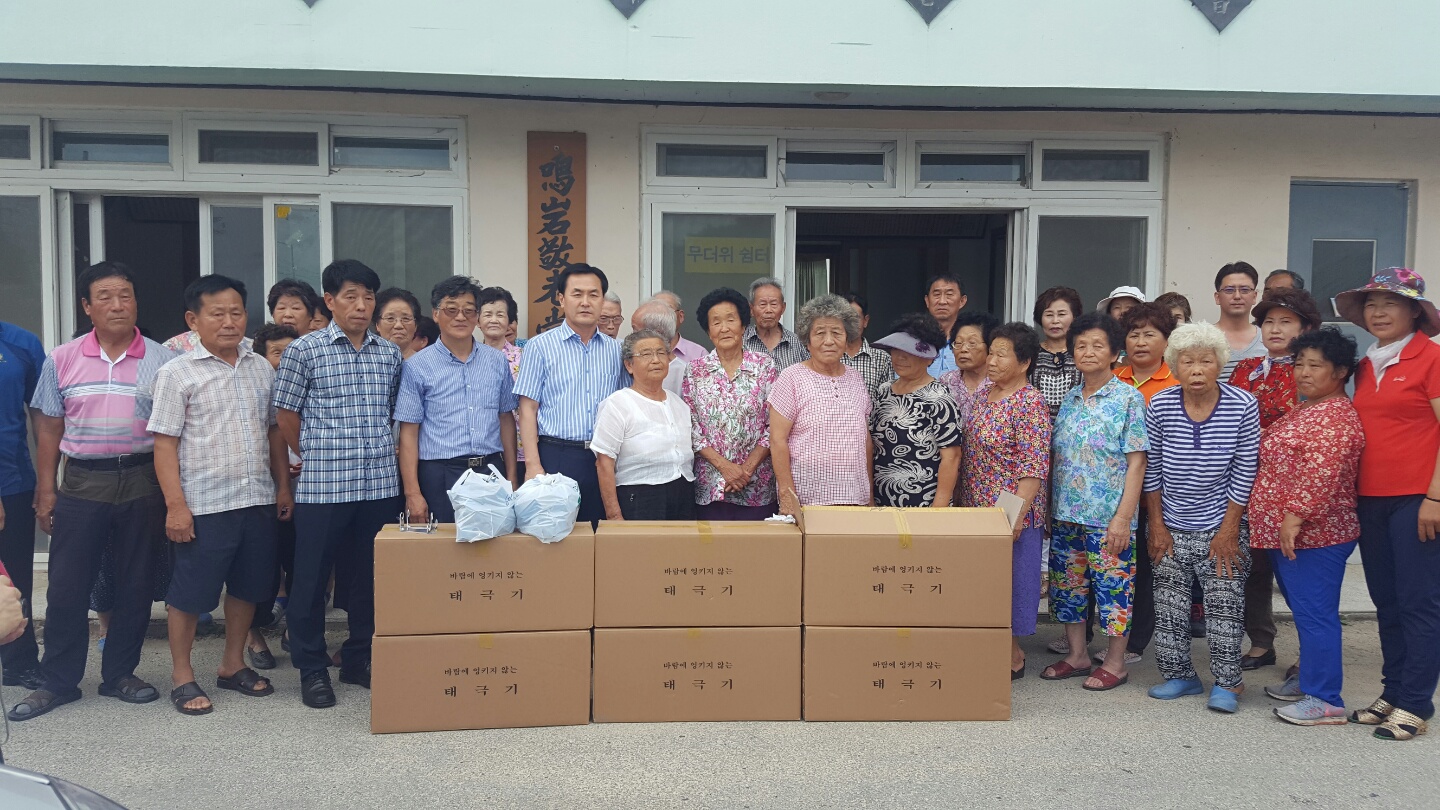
455,408
1235,289
612,314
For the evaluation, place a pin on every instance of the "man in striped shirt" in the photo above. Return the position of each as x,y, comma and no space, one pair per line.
567,372
334,396
455,408
1204,452
94,400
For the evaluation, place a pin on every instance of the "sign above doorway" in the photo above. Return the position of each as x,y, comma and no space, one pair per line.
929,9
1221,13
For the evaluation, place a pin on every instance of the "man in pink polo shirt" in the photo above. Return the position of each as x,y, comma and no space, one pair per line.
93,403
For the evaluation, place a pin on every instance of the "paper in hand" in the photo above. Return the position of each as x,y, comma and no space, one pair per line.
1011,504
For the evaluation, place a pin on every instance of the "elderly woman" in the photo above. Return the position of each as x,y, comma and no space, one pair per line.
820,415
1007,449
916,424
727,391
1178,305
969,342
498,314
642,440
1302,516
1054,373
1397,394
1099,467
1204,446
396,313
1282,315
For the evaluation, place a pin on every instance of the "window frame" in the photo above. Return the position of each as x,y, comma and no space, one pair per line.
459,219
950,147
1155,163
116,126
889,150
254,172
653,142
652,249
450,131
37,140
1153,212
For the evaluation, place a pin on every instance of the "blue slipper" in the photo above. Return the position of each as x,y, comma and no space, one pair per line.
1223,700
1178,687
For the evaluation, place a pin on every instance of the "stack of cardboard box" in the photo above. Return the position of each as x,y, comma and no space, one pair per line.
697,621
907,614
494,634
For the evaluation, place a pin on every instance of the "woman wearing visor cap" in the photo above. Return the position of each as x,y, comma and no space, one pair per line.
916,423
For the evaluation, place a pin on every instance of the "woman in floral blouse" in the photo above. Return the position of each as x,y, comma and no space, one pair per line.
1007,449
728,392
916,423
1100,444
1282,315
1054,373
1302,512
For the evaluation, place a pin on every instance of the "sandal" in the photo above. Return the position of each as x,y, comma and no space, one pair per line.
131,690
40,702
1108,680
1400,725
244,681
261,659
1061,670
186,692
1374,714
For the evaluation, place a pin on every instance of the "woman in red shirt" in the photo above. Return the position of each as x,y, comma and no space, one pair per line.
1281,316
1397,394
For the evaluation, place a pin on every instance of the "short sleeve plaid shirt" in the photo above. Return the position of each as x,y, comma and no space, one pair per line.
345,398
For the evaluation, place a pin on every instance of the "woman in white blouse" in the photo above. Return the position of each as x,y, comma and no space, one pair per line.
643,454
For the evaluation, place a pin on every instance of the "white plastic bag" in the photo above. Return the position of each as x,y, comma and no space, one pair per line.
546,507
482,506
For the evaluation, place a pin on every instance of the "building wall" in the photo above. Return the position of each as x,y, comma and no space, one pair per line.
1227,192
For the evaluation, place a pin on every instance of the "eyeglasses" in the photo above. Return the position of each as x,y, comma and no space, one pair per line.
453,313
653,355
391,320
1237,290
968,344
611,320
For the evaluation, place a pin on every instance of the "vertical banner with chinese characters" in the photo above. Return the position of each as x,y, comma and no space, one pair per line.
555,172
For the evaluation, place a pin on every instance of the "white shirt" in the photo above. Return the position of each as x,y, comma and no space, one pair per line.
675,376
649,440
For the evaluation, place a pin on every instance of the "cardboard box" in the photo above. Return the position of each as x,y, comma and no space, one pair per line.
924,673
906,567
658,675
464,681
428,583
697,574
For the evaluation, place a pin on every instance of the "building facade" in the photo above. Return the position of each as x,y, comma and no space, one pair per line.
843,146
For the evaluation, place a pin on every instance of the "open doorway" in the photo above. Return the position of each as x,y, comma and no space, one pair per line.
887,256
159,239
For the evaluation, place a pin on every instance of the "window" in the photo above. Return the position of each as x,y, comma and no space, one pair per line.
1094,255
14,142
1340,233
110,147
701,252
706,160
237,249
803,166
1094,165
942,167
297,243
259,148
20,283
410,246
390,153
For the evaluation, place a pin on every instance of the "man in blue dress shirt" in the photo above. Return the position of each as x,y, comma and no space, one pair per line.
21,358
455,407
566,373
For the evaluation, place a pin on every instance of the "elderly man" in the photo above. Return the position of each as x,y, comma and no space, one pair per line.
873,364
92,397
1284,278
687,350
658,317
612,314
944,298
766,334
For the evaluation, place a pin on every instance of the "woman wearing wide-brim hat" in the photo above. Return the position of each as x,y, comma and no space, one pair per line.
1397,394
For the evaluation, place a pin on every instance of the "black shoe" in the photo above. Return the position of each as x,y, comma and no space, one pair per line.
316,690
31,678
359,676
1253,662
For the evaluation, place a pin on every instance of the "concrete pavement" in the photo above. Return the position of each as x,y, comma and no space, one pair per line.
1065,747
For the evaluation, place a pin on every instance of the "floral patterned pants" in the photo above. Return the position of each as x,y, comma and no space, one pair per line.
1080,566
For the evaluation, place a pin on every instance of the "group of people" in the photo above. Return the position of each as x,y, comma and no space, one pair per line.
1167,471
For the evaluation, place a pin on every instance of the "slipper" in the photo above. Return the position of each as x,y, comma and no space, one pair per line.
1060,670
131,690
186,692
39,702
261,659
244,681
1017,674
1107,679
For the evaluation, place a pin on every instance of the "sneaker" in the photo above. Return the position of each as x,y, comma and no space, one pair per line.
1060,646
1288,691
1130,657
1312,711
